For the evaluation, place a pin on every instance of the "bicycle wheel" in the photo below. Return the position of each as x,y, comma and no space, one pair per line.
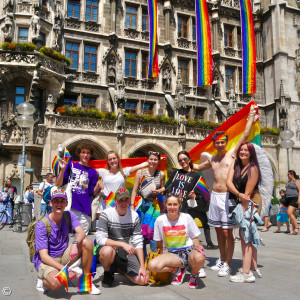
25,219
3,219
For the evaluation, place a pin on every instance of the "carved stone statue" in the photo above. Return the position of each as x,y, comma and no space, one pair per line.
182,125
7,29
16,135
232,106
111,71
40,135
35,26
50,104
120,77
121,114
167,79
57,29
4,135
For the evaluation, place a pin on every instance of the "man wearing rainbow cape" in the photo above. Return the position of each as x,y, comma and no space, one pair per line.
219,202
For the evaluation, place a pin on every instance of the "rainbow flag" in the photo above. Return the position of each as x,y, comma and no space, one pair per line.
130,162
143,181
110,199
55,163
201,184
149,219
204,54
67,156
137,202
62,277
85,283
153,61
234,128
249,51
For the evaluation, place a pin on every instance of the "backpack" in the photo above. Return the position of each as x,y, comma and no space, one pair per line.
30,240
47,194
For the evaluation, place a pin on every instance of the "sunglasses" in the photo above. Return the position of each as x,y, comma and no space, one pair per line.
183,160
153,153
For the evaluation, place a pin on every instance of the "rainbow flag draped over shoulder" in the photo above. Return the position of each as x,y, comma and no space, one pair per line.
153,61
130,162
249,51
62,277
234,128
85,283
149,219
204,55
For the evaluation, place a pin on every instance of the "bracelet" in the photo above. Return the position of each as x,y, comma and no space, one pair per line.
238,194
75,242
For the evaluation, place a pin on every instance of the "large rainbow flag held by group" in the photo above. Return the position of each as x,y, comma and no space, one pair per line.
153,61
204,54
130,162
249,51
234,128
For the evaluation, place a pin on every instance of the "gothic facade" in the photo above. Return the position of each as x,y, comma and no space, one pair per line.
107,42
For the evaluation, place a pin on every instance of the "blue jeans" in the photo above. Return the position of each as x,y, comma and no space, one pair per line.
45,208
145,206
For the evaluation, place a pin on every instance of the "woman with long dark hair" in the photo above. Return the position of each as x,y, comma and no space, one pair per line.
293,197
242,181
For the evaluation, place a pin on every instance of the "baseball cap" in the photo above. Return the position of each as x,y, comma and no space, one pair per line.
58,193
122,193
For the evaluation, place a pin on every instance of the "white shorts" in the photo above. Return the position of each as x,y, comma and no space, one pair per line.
219,210
84,220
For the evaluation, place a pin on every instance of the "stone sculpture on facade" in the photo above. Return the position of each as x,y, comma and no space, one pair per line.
232,106
120,99
111,70
35,26
283,112
7,29
167,79
16,135
50,104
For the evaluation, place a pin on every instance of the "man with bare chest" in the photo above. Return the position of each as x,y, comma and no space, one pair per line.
219,202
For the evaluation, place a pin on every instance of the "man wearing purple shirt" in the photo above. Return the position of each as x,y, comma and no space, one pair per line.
53,252
84,181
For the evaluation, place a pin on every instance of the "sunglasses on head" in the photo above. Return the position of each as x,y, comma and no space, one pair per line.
183,159
153,153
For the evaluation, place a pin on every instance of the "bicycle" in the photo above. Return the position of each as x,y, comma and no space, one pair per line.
18,217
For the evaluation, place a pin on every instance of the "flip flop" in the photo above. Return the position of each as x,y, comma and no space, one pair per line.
294,232
277,231
264,230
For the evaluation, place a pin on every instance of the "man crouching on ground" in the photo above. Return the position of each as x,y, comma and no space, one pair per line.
53,253
116,226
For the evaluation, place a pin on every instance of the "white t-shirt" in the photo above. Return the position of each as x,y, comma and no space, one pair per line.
43,186
111,182
176,235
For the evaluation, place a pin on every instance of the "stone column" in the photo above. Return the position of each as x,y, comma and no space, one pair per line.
215,27
258,37
113,16
167,10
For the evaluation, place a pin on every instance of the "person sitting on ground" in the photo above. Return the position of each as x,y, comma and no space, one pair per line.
53,252
116,227
282,216
180,234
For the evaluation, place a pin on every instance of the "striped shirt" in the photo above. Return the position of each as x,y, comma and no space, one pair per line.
119,228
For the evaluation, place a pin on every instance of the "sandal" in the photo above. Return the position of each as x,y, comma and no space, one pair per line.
277,231
264,230
294,232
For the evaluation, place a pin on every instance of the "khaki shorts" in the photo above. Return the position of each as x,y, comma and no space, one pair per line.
44,269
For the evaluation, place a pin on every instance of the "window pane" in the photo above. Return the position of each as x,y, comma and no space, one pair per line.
71,100
88,102
20,90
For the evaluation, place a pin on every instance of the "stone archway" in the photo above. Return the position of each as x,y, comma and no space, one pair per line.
142,148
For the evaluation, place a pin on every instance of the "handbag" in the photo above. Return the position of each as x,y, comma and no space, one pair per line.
156,277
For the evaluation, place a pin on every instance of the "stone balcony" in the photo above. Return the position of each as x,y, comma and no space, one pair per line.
31,59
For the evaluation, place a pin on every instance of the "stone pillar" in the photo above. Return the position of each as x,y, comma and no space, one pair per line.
167,11
215,27
258,36
113,16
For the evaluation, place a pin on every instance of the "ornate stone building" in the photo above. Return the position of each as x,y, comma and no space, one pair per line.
107,42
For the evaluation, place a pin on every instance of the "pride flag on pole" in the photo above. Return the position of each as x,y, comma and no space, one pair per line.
201,184
249,50
153,61
204,53
62,276
67,156
85,283
234,128
55,163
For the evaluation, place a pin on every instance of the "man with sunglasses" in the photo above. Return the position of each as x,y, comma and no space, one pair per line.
219,198
54,252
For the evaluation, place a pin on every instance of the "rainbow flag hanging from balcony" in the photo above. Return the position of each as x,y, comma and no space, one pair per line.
204,56
234,128
249,51
153,61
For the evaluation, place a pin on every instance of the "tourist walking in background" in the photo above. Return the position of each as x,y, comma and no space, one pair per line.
282,216
45,207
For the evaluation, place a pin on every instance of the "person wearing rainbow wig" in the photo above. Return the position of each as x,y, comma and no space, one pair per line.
220,204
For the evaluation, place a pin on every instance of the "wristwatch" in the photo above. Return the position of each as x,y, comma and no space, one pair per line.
75,242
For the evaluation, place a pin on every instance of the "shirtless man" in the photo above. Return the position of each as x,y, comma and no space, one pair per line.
219,204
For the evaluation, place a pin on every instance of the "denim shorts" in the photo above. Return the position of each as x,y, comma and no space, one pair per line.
184,255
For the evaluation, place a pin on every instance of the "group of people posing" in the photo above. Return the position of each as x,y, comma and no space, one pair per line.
121,246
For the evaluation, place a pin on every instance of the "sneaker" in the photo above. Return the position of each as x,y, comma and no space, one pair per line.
95,291
76,270
193,282
108,278
218,265
211,246
40,286
242,277
224,271
201,273
178,277
257,273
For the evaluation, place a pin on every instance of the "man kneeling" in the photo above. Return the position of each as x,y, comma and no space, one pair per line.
53,252
116,226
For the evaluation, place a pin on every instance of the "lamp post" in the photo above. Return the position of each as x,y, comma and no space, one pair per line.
24,120
287,142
